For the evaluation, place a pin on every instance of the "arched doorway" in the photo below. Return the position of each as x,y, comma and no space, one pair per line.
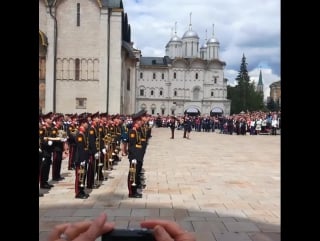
216,111
192,111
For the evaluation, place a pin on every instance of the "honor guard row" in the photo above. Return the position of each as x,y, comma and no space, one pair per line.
93,142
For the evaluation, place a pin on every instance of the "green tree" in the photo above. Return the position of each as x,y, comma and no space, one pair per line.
244,96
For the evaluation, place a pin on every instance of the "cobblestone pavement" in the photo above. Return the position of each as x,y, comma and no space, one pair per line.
221,187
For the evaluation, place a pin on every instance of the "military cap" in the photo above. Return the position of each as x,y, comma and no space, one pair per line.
82,120
58,118
83,115
95,115
48,115
104,114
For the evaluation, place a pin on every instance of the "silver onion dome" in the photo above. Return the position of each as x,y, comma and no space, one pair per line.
190,34
212,40
175,38
204,45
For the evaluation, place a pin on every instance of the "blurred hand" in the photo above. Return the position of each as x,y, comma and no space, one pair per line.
81,231
167,230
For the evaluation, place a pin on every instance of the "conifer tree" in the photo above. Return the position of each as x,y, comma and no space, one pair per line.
244,96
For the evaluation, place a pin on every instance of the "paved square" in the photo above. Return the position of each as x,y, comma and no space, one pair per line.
222,187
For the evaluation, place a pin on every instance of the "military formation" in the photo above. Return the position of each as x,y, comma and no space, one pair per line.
95,143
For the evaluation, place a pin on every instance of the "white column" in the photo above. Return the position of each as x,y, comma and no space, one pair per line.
103,59
49,63
115,61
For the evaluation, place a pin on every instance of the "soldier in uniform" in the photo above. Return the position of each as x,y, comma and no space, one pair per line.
81,159
100,146
172,125
135,155
92,150
57,151
46,145
124,137
71,133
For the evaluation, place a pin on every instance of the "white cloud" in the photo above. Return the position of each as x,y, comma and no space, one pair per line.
249,27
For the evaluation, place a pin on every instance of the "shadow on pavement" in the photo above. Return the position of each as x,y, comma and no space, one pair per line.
214,224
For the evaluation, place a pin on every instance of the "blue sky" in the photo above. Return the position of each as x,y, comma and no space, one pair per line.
249,27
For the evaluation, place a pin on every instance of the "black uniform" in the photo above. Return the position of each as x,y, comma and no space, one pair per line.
135,155
81,159
47,148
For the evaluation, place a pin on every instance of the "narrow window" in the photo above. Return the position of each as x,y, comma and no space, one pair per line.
211,93
141,92
162,111
151,92
152,111
172,112
141,75
78,14
162,76
215,80
160,93
174,75
154,75
196,75
175,93
77,69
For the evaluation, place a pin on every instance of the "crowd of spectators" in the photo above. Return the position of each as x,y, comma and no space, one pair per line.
253,123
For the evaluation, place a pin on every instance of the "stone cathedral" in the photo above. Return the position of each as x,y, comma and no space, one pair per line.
188,79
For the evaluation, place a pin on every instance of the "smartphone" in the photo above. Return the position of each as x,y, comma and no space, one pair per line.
131,234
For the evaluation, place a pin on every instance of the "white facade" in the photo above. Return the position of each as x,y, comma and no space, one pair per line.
186,80
86,38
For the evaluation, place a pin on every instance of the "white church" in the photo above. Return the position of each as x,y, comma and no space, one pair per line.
188,79
87,63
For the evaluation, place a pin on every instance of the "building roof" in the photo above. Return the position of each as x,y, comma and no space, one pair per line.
155,61
275,84
129,49
111,3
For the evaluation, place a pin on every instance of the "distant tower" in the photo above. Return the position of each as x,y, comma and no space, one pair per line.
260,84
213,47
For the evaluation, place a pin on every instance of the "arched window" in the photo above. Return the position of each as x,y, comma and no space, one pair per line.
196,75
154,75
175,93
162,76
151,93
141,75
160,93
174,75
77,69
